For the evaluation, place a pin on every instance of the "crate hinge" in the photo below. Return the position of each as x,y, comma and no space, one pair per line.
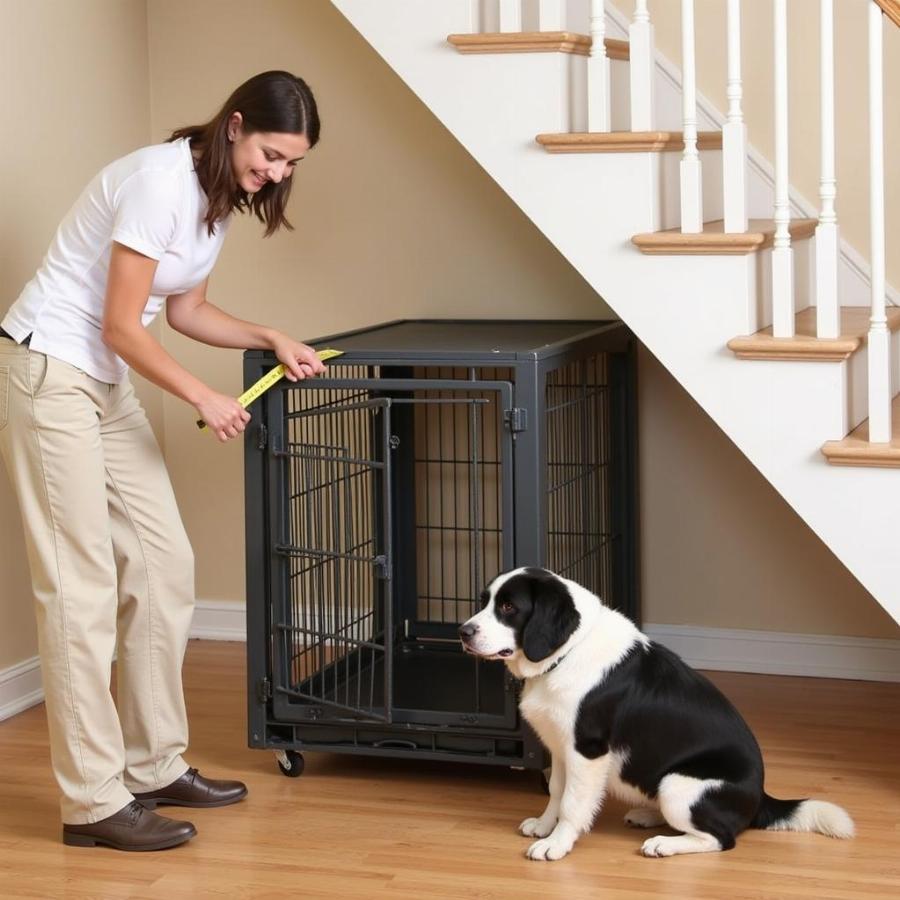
516,419
263,690
382,568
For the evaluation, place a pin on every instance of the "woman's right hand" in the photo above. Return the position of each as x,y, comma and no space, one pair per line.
224,416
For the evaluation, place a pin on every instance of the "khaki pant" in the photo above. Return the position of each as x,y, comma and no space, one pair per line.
112,570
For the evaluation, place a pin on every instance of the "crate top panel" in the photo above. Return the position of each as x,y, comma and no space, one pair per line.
482,341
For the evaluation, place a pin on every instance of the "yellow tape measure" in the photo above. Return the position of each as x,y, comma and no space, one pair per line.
273,377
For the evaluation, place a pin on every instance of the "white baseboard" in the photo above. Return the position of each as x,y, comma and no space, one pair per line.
219,620
725,649
20,687
214,620
778,653
719,649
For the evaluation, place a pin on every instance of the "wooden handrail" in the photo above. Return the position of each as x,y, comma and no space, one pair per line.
891,8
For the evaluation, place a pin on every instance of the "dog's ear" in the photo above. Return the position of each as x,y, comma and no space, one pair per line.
553,617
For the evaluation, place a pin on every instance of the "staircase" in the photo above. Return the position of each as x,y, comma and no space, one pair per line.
727,276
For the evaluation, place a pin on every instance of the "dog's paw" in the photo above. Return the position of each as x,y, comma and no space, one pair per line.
644,818
671,845
658,846
549,848
539,827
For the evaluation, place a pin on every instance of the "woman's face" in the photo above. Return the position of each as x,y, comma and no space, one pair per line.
263,156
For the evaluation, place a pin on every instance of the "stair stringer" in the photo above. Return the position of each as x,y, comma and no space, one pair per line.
684,309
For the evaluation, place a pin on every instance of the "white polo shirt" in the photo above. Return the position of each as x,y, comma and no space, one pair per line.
151,201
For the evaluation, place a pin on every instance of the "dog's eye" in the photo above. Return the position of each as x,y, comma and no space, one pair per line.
507,607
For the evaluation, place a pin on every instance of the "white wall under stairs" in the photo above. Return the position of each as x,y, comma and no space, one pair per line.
683,308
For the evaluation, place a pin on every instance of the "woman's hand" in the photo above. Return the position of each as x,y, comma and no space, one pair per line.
299,360
224,416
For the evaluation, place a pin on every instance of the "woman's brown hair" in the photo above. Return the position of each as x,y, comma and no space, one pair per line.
270,101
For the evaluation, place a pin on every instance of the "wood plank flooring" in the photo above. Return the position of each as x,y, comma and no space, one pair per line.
353,827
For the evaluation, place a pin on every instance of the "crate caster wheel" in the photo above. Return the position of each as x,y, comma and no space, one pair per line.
290,762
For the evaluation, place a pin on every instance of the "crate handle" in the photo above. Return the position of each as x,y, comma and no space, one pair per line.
397,744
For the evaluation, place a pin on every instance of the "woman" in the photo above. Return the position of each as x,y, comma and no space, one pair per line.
111,565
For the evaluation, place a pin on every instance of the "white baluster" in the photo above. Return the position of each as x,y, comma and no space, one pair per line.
641,66
510,15
782,254
550,15
828,314
691,187
734,133
879,336
598,71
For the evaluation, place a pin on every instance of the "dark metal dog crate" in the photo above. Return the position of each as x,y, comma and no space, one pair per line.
383,496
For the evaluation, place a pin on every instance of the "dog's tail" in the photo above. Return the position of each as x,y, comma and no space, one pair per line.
803,815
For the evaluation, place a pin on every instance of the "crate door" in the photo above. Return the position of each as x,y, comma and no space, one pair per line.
453,452
332,622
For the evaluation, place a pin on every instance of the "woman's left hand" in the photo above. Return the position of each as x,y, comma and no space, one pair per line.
300,361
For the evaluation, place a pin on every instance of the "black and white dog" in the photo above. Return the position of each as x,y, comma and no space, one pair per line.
622,714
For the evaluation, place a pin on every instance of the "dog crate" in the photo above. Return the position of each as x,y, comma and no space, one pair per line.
383,496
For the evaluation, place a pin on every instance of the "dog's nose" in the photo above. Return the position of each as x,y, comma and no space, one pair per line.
468,630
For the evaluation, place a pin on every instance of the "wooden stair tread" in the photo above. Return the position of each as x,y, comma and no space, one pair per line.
535,42
625,141
714,240
891,8
855,449
805,345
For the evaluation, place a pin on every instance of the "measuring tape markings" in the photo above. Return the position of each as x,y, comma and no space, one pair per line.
273,376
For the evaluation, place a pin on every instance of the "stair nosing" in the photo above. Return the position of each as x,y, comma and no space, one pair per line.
625,141
855,449
672,242
882,459
805,347
535,42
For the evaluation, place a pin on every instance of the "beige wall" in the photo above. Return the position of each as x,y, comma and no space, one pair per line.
75,96
851,97
393,218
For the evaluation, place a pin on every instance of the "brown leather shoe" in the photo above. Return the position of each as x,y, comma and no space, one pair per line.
192,789
131,828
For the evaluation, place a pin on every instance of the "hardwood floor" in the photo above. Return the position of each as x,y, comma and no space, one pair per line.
353,827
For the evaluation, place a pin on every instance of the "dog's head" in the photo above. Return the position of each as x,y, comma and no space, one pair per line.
527,611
